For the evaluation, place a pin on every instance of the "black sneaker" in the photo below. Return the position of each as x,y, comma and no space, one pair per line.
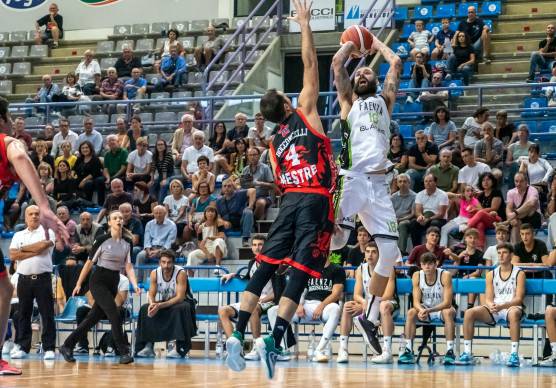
369,332
67,353
126,359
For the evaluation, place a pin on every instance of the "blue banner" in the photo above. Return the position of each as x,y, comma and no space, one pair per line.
22,5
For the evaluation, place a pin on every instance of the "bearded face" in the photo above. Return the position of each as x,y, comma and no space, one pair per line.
365,82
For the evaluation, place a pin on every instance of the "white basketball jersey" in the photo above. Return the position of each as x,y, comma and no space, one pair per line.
504,290
166,290
366,277
366,136
431,294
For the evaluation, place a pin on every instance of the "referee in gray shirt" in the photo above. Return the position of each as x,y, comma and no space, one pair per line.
111,253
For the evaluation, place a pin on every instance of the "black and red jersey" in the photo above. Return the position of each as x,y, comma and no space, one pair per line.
7,177
302,157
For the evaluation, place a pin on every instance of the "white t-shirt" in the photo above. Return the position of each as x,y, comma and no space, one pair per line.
491,254
123,284
140,162
37,264
472,130
87,73
421,39
191,154
254,134
538,172
470,175
431,203
174,205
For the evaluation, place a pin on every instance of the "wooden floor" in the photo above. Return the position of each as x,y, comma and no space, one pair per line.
197,372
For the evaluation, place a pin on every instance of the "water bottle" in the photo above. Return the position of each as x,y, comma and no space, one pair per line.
401,348
448,46
495,357
219,346
311,347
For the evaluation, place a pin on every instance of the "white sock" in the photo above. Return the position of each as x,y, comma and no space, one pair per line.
553,346
467,346
515,347
387,344
322,343
409,345
373,309
449,345
344,342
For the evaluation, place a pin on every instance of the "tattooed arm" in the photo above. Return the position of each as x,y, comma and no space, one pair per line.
392,81
341,78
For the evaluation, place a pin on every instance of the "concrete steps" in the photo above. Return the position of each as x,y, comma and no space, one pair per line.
501,67
517,45
533,8
537,24
73,51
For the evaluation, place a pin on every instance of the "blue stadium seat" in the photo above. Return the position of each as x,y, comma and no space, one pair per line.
416,107
491,8
406,73
382,70
535,103
462,9
489,24
454,26
445,11
408,28
455,91
401,13
406,131
402,49
422,12
434,27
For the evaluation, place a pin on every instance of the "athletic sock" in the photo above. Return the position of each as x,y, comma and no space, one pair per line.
553,346
279,329
467,346
449,345
515,347
242,321
344,342
387,348
323,343
409,344
373,309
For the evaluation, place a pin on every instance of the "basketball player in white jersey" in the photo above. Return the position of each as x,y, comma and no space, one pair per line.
358,305
432,301
362,188
505,290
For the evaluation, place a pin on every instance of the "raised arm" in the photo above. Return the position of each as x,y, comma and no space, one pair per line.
392,81
341,78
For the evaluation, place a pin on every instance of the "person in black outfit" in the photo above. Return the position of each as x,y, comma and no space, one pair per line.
478,33
357,253
89,171
420,76
545,57
126,63
54,30
110,253
463,59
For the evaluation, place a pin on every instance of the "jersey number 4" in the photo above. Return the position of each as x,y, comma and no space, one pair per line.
293,156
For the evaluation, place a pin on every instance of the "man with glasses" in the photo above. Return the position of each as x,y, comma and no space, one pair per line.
259,135
432,98
126,63
183,136
259,176
478,32
90,134
134,89
420,76
545,57
64,134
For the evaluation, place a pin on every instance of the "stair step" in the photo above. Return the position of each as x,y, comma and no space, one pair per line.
54,69
491,106
499,78
537,8
538,36
504,67
533,25
520,45
498,91
526,16
71,51
499,99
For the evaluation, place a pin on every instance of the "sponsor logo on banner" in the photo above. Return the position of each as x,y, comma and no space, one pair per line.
355,9
323,16
22,5
98,2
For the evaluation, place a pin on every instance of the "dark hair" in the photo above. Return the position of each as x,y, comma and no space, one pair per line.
4,109
168,253
156,153
255,149
526,226
272,106
57,173
259,237
91,147
441,109
363,229
142,186
203,158
433,229
467,39
174,31
428,257
72,75
204,183
490,176
480,111
213,141
243,141
467,149
63,120
135,117
535,147
402,141
509,247
434,177
372,244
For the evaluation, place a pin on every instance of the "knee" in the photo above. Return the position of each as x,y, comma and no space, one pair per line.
514,315
550,313
385,308
448,314
411,314
248,212
224,312
261,203
535,55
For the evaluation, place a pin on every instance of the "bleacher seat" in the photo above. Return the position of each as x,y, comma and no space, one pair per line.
236,60
535,103
489,24
406,131
5,87
547,127
183,94
268,38
454,25
140,29
491,8
100,119
532,125
194,78
266,22
255,57
462,8
188,42
18,36
21,68
410,108
157,96
4,53
252,41
434,27
401,13
105,47
170,117
5,69
105,63
406,72
221,79
33,121
151,78
159,43
401,49
422,12
4,37
115,118
382,70
146,117
408,28
122,29
76,120
219,21
445,11
201,39
198,25
38,51
453,84
190,59
144,45
121,43
180,26
160,27
19,51
226,37
238,22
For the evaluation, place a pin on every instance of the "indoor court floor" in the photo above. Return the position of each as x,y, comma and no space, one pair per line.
99,373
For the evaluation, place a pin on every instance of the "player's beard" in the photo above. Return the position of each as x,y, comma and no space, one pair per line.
370,88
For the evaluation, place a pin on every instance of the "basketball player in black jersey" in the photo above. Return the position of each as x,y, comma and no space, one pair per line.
301,158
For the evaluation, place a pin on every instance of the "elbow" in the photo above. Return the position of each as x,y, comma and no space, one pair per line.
337,63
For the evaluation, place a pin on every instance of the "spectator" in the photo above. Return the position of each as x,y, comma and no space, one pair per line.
397,154
160,233
443,41
239,131
432,98
492,204
62,249
462,61
91,135
236,208
259,176
218,137
85,234
135,132
41,155
139,164
202,175
173,40
65,185
469,174
21,134
47,135
134,89
212,240
54,27
468,207
523,206
532,252
478,32
238,159
470,256
404,206
176,205
115,160
67,155
45,94
545,57
126,63
191,154
121,128
431,245
420,76
550,215
504,130
259,135
203,199
172,69
470,132
32,250
170,311
489,149
442,131
422,155
115,199
143,202
64,134
538,171
491,253
445,172
356,254
46,178
89,173
162,169
209,48
520,148
430,208
183,136
111,89
134,226
88,73
71,92
419,40
550,91
550,321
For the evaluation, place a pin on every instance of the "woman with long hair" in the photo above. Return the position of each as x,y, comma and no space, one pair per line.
442,131
89,172
143,202
110,253
135,132
238,160
162,169
463,58
216,141
212,245
41,154
65,185
538,170
204,199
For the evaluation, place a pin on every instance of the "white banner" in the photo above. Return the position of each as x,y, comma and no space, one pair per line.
355,9
323,16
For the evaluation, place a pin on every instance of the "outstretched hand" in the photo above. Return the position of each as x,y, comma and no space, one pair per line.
49,220
302,12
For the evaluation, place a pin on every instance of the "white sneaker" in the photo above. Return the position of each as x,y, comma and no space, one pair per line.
110,352
320,356
384,358
146,352
18,353
285,356
173,354
252,356
49,355
7,348
343,357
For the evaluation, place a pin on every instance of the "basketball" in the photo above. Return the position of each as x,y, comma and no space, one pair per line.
360,36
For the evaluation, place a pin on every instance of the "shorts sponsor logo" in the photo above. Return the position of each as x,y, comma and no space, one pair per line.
22,5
